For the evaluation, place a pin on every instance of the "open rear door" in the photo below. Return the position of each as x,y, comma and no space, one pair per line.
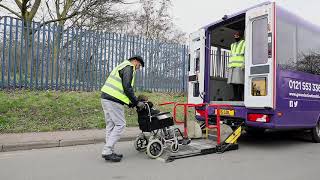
259,57
196,67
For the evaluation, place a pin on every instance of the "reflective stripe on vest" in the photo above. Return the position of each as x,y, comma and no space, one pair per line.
237,54
113,85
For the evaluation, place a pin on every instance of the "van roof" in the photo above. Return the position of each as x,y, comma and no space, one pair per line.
280,12
236,14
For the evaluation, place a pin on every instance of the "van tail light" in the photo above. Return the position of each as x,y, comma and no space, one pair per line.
259,118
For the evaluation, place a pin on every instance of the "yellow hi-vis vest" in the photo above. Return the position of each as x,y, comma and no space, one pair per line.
113,85
237,54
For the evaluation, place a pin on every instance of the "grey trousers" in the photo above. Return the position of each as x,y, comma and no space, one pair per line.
235,75
115,124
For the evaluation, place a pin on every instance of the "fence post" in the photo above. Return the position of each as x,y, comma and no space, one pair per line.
10,50
43,49
3,52
59,31
53,51
15,56
37,56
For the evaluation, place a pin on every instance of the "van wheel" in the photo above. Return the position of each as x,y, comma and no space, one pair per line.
255,131
315,133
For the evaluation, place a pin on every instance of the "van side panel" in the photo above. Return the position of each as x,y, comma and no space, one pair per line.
298,99
298,88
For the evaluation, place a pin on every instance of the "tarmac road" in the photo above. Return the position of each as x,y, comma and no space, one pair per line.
275,156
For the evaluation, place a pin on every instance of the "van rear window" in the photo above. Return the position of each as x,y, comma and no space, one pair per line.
197,60
196,91
260,41
259,86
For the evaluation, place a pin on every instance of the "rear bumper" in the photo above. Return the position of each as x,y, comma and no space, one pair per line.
241,113
260,125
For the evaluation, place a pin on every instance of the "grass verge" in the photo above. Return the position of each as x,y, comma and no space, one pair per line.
39,111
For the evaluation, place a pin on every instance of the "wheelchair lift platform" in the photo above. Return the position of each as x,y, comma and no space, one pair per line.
167,143
198,147
203,146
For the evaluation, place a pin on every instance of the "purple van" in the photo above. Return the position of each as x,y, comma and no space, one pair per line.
282,69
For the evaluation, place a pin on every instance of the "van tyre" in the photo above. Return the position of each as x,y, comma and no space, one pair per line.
315,133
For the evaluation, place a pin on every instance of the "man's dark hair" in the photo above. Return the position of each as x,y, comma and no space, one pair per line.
239,33
138,58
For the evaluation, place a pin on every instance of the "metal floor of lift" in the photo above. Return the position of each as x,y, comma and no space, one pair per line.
195,148
202,146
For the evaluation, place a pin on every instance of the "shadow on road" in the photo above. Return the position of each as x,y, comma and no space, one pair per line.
275,139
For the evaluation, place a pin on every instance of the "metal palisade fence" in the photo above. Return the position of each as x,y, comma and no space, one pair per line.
38,56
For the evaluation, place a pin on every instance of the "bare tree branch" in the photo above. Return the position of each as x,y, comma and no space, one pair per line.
50,13
34,9
134,2
19,4
60,19
10,10
57,2
67,6
23,8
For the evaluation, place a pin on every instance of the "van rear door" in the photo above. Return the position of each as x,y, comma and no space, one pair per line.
259,57
196,66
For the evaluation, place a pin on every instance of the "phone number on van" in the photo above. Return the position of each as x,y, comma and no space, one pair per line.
305,86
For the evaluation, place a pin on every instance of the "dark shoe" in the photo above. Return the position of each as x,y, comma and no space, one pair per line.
112,158
119,155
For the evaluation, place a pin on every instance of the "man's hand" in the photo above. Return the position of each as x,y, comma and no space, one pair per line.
141,105
242,67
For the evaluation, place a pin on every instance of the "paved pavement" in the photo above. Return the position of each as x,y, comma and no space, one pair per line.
27,141
38,140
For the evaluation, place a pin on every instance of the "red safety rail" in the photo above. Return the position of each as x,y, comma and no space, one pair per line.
168,103
186,106
185,113
217,126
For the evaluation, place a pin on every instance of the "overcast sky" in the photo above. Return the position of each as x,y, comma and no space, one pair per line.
190,15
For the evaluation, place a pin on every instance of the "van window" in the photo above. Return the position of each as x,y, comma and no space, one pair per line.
196,91
286,43
297,46
197,60
189,62
259,86
260,41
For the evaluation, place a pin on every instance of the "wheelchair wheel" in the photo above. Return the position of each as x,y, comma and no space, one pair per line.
154,148
141,142
152,138
174,147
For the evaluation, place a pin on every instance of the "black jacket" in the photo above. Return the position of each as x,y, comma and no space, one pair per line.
126,74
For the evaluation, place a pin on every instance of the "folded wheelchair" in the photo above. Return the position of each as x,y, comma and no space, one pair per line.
158,132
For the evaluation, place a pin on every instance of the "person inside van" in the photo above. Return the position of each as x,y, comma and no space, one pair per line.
236,66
